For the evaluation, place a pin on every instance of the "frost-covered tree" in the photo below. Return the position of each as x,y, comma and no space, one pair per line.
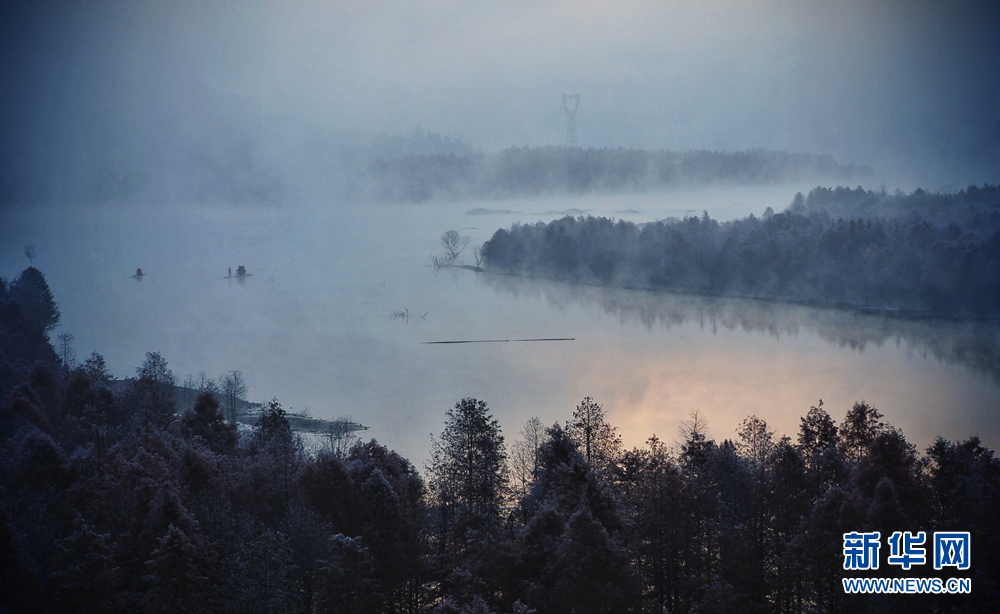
468,476
346,579
205,420
599,442
39,308
524,456
862,424
152,392
817,432
468,486
178,582
234,391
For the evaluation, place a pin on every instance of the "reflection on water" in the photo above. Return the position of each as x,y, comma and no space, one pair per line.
975,345
667,354
318,326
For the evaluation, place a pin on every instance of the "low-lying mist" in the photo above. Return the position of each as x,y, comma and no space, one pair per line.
107,100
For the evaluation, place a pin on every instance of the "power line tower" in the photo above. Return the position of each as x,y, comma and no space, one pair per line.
571,110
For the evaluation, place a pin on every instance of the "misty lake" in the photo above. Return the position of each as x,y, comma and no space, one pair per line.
314,325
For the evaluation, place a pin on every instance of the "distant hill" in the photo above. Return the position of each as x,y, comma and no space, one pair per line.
539,171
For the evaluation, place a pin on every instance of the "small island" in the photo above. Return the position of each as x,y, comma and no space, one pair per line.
917,254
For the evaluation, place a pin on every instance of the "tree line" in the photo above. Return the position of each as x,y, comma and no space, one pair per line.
918,252
534,171
113,500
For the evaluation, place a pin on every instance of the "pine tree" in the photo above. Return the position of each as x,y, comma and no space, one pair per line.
347,583
85,571
599,441
260,575
178,582
383,532
860,428
468,484
205,420
31,291
655,502
817,432
570,555
152,392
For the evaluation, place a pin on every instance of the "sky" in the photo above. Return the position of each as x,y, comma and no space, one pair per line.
125,93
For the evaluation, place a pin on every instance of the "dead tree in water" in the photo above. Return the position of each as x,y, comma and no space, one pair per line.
453,244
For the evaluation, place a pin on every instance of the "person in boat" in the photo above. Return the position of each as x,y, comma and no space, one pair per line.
138,272
241,271
230,271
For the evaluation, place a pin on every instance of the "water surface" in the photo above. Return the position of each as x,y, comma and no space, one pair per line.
314,324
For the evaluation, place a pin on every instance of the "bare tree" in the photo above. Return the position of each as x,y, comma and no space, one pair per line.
207,384
190,386
477,253
234,390
453,244
524,456
341,435
67,353
29,251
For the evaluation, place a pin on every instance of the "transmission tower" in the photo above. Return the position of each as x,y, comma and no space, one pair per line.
571,117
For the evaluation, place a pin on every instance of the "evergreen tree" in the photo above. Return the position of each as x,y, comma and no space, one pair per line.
657,513
384,531
39,308
468,483
599,441
788,501
347,583
327,486
817,432
96,369
861,426
205,420
152,393
85,571
397,546
260,576
819,445
591,571
178,582
571,554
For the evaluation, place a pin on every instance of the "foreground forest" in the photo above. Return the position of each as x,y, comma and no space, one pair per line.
114,499
931,253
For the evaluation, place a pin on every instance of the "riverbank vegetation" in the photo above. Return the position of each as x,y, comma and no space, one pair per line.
927,253
114,499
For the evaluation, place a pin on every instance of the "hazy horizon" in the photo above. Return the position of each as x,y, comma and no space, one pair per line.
262,97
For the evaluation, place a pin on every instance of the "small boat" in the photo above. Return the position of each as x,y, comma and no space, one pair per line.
138,274
241,273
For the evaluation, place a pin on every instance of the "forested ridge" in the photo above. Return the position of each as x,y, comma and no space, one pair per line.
533,171
930,253
121,501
